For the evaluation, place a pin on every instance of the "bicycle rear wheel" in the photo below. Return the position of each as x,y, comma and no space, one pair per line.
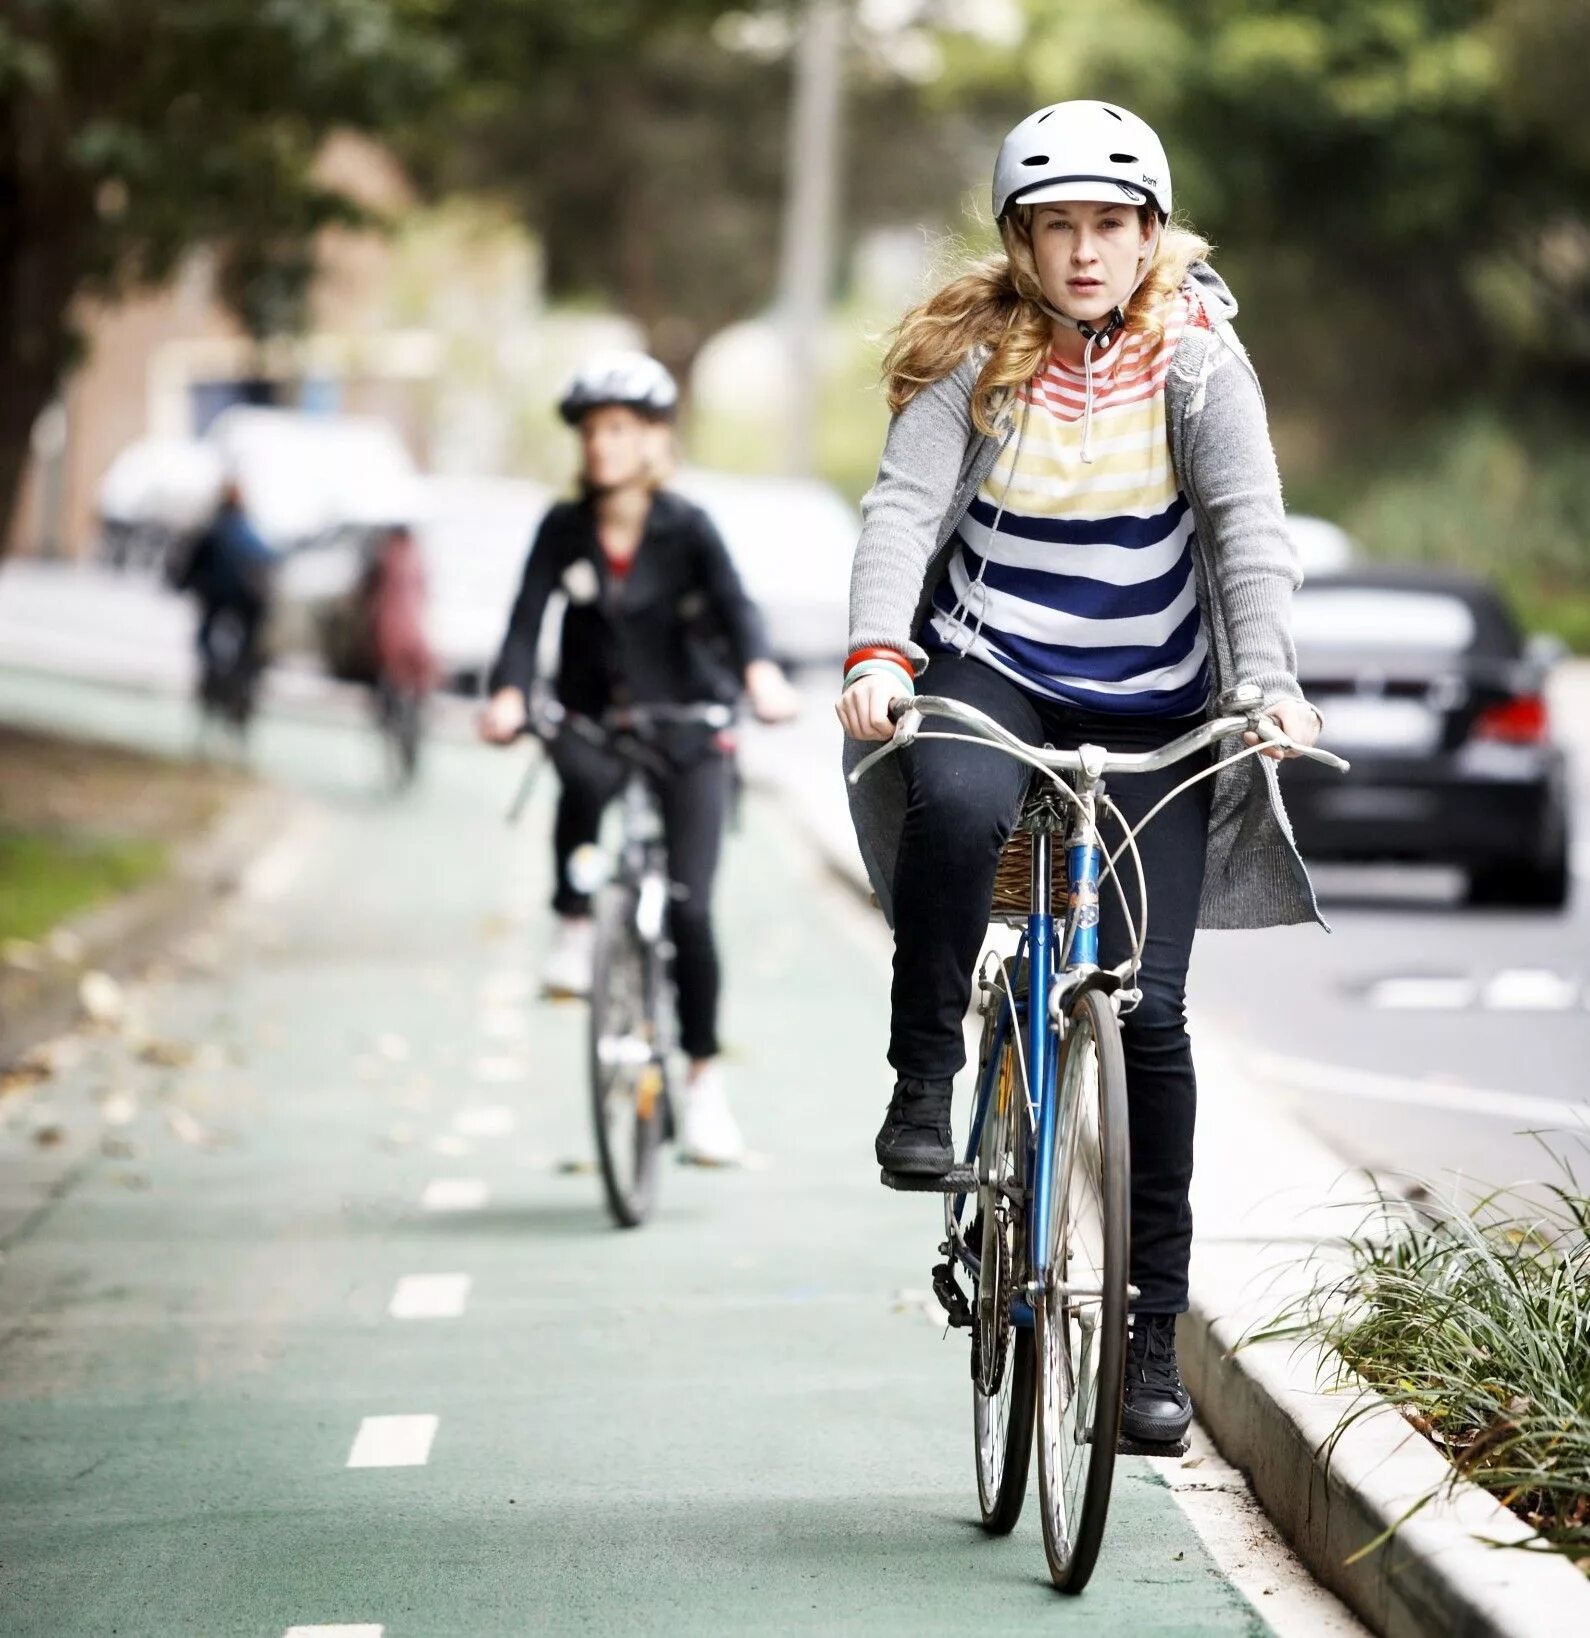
1081,1315
627,1062
1002,1354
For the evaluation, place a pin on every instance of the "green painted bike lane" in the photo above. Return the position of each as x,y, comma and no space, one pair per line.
739,1417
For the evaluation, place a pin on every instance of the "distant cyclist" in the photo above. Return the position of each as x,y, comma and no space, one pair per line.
1077,528
656,614
402,663
229,571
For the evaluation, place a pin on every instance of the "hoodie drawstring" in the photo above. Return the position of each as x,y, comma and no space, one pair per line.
1094,340
965,636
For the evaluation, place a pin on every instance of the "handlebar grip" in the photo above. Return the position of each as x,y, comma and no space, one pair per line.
899,707
1270,730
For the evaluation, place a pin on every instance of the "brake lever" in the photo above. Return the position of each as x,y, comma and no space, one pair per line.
1266,728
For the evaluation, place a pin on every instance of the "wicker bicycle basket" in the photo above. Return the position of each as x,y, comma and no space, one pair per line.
1013,877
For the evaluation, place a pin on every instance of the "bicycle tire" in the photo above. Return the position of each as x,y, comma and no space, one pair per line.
1091,1148
627,1072
1002,1453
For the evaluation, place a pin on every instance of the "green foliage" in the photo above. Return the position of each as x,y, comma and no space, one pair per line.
44,878
1475,1322
1506,496
155,127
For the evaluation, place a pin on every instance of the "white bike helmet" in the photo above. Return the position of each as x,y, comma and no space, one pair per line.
1081,150
631,379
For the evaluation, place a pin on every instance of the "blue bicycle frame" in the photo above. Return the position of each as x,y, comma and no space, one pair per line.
1044,961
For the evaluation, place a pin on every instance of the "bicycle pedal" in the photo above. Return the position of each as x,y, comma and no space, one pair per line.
957,1309
957,1180
1152,1447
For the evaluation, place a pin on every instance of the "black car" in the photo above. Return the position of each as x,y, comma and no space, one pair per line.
1427,685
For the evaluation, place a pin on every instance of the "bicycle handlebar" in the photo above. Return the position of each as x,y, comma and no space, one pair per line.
1093,760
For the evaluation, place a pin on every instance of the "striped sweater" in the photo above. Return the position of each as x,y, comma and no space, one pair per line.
1085,592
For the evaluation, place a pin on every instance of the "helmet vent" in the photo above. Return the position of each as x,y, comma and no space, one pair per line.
1036,159
1044,115
1111,112
1123,159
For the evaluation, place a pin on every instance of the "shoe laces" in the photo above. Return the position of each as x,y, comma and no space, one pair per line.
1154,1352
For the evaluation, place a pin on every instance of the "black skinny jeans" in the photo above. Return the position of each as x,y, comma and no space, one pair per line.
963,801
694,799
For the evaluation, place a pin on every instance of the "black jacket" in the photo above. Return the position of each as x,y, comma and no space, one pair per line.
678,628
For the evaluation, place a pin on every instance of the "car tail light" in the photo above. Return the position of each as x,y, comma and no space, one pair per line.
1520,721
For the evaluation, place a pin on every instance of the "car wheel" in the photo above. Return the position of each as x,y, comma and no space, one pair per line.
1535,884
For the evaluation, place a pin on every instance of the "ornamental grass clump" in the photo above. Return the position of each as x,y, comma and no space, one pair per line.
1474,1320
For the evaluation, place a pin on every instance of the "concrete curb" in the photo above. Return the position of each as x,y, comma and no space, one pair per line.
1445,1573
120,936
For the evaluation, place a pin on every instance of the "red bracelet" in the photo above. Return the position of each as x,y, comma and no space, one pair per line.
878,653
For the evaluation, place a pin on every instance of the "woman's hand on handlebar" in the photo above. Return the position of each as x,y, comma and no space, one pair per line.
503,717
863,708
1297,719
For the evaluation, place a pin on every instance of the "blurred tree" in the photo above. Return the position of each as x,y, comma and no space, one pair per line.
646,145
132,130
1400,188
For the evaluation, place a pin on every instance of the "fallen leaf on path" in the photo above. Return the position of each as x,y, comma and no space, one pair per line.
21,1076
49,1137
167,1054
574,1168
103,1000
189,1130
119,1109
1193,1461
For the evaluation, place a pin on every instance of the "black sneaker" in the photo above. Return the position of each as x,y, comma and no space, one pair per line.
915,1135
1158,1407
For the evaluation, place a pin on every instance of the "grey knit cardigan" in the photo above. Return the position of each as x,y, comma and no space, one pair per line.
934,462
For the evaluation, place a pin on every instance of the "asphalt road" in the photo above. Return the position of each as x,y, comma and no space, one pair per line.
312,1320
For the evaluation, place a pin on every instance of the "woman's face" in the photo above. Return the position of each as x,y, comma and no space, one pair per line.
617,447
1088,254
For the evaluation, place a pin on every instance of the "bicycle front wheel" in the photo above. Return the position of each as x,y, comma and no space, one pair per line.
1002,1354
1081,1312
628,1092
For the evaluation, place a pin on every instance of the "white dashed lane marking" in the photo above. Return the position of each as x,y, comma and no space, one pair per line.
429,1296
1514,989
367,1630
504,988
454,1194
504,1024
484,1120
500,1070
393,1441
1335,1080
1423,994
1530,989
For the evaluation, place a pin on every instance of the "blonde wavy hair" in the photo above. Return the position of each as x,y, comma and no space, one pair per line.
994,304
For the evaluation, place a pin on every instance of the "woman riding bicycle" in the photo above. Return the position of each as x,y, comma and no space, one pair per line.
655,614
1076,527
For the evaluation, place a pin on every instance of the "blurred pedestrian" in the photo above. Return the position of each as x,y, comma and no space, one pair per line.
656,614
1077,528
229,570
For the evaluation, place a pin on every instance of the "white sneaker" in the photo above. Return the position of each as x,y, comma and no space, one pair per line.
567,970
711,1135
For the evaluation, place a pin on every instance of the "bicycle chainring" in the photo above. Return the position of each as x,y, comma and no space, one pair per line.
991,1320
